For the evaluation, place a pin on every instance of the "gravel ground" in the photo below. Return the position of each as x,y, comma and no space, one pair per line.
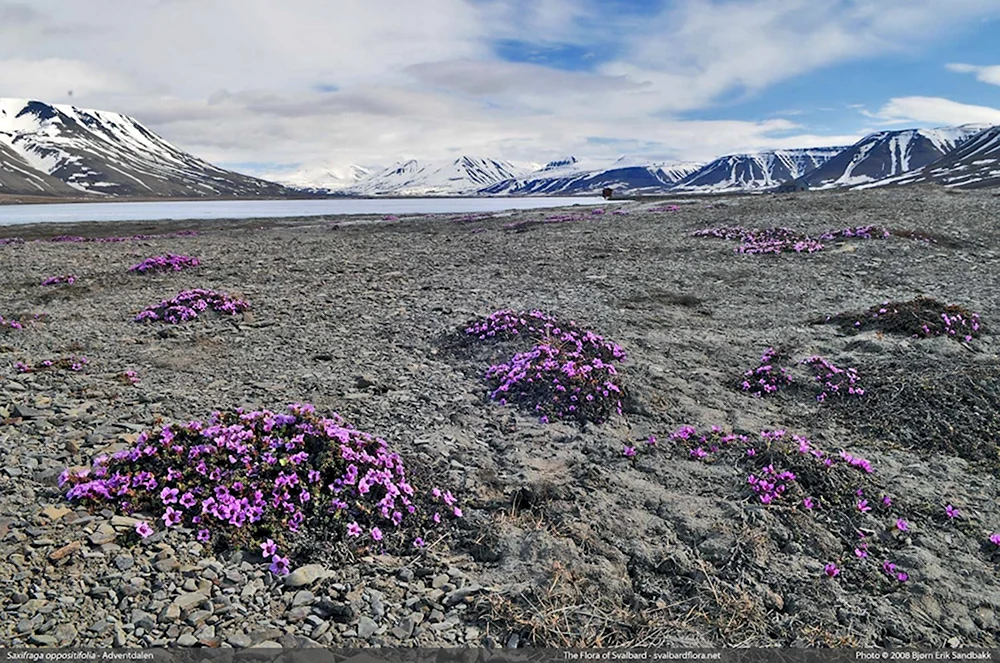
565,541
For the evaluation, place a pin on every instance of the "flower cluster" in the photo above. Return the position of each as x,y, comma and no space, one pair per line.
780,240
834,380
68,279
128,377
71,363
771,484
10,323
864,232
700,446
922,317
813,476
568,372
188,304
764,379
893,571
18,323
249,478
167,263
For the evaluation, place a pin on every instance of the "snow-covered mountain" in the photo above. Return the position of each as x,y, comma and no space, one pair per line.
104,153
324,178
755,172
462,176
886,154
567,177
972,165
17,177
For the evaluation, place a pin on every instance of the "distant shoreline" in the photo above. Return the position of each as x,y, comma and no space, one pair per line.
13,199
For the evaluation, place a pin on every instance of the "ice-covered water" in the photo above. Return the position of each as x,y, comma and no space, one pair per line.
263,209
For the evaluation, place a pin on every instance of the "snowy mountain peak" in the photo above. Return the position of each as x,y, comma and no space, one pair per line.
105,153
756,171
887,154
460,176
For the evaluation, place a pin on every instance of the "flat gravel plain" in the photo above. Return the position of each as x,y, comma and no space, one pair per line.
566,540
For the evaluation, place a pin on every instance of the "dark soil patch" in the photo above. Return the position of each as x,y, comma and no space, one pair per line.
920,317
931,406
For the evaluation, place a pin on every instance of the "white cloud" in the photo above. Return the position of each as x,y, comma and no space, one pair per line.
989,74
935,110
373,81
53,78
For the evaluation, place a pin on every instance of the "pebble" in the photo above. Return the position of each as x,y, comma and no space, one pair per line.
65,551
366,628
306,575
303,597
239,640
186,640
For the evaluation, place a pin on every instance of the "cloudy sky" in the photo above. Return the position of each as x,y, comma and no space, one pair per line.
266,86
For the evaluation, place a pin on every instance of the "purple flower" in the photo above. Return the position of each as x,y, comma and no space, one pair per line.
418,542
204,535
354,530
279,566
831,570
269,548
187,500
629,452
863,506
951,511
808,503
457,512
376,534
143,529
902,525
171,517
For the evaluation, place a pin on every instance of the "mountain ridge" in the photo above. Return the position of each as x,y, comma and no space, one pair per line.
102,153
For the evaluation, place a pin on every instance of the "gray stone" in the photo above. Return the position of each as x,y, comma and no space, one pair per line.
319,630
296,615
170,613
186,640
124,562
366,627
303,597
239,640
190,600
440,581
460,594
306,575
26,412
197,617
167,565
